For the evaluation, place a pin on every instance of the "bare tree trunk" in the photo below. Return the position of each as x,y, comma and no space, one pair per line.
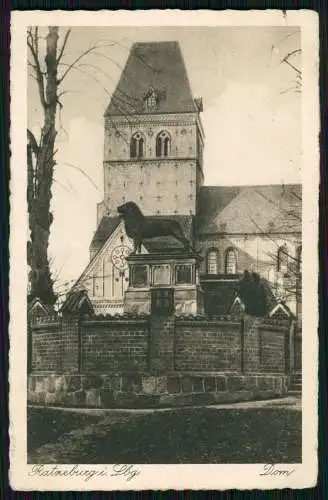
40,156
40,178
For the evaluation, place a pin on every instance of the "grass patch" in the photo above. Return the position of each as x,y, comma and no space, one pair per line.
202,435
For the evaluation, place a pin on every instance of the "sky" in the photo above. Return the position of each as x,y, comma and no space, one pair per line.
251,117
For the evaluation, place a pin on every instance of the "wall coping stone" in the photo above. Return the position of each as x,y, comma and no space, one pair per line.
47,326
274,328
206,322
114,321
49,318
159,375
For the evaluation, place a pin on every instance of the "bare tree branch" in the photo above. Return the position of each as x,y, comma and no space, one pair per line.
296,88
292,66
124,112
287,61
105,56
77,68
32,43
70,66
292,53
61,52
296,195
68,92
83,173
33,142
61,185
271,239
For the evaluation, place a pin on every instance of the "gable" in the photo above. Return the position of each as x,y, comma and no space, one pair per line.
77,302
237,306
108,225
280,311
105,228
114,239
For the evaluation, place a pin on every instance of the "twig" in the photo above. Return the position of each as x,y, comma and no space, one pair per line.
82,172
61,52
34,49
70,66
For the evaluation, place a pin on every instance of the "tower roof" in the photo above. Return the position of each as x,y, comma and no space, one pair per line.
158,69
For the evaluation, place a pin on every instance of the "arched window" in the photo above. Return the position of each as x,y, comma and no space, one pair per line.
212,262
282,259
163,144
137,145
231,261
299,258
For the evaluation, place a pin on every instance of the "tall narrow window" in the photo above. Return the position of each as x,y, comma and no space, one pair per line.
231,262
137,146
212,262
282,259
163,144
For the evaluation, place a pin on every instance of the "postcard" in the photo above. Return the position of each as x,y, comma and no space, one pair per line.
164,250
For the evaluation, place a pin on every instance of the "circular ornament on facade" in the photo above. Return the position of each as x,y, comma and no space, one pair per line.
119,255
183,131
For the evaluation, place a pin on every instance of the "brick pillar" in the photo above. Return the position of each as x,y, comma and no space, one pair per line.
161,348
71,344
251,344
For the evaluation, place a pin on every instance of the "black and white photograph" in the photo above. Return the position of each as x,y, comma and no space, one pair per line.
164,246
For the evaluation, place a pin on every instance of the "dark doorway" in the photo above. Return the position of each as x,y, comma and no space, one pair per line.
162,302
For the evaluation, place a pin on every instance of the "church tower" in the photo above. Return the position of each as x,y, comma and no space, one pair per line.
153,147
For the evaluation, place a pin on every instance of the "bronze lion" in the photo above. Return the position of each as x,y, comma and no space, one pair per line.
138,227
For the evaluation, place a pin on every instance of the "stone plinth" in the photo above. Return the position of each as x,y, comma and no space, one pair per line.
144,390
164,283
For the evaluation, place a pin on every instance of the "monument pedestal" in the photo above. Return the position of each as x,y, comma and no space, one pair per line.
164,284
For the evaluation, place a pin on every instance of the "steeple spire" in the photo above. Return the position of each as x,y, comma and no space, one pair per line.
154,80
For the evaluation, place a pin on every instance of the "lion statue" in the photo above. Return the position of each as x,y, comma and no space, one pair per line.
138,227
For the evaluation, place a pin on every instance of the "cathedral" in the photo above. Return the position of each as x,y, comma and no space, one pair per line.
153,156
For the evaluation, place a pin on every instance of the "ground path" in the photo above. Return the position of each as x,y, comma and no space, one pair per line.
252,432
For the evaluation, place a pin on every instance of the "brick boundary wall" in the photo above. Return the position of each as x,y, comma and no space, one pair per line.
109,345
208,345
140,361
